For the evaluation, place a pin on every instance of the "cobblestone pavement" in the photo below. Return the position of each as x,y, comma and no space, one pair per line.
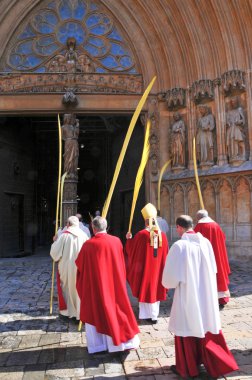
35,345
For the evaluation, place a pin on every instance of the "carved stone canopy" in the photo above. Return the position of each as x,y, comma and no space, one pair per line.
233,80
202,89
175,98
69,98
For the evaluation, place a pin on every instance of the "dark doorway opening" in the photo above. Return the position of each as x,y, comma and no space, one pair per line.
29,167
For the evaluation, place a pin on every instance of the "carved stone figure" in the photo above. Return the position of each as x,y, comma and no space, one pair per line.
178,141
235,122
71,55
70,134
204,137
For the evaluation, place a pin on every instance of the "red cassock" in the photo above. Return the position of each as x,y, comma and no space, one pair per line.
101,285
144,271
215,235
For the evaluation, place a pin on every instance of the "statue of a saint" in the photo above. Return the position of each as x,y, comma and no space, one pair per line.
70,134
178,141
204,137
235,122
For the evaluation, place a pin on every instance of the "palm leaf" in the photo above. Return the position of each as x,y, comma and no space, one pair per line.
140,172
160,180
125,145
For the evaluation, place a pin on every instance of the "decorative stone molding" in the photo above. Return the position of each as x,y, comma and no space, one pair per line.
233,80
175,98
83,83
202,89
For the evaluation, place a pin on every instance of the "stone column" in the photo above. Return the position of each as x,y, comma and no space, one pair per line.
249,109
220,118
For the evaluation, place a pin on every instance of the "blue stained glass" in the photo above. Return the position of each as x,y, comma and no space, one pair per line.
84,20
33,60
101,70
99,29
117,49
24,47
92,50
40,70
92,20
52,19
71,29
28,32
133,71
96,41
115,35
126,61
80,11
44,41
15,59
109,61
65,10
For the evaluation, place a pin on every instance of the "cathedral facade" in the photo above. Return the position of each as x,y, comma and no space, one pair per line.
90,61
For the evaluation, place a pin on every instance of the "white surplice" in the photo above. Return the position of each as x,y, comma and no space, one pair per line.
65,251
191,269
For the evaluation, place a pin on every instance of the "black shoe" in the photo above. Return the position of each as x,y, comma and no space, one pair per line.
221,306
173,369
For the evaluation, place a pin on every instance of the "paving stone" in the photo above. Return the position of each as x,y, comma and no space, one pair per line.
35,345
12,373
148,366
65,370
34,372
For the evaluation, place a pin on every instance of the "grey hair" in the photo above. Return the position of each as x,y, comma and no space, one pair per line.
201,214
99,223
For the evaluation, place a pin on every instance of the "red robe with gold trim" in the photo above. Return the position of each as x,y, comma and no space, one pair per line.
101,285
144,271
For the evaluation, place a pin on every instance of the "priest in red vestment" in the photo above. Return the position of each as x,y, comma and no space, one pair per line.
190,269
110,323
145,257
213,232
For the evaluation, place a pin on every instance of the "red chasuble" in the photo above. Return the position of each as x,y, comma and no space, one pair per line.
215,235
101,285
144,271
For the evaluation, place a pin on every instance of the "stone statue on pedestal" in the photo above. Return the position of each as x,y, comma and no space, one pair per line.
178,141
70,134
235,122
204,136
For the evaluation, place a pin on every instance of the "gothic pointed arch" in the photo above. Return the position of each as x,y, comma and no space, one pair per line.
79,30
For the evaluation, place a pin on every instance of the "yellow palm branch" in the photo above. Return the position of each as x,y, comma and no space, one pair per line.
160,180
196,175
140,172
57,207
125,145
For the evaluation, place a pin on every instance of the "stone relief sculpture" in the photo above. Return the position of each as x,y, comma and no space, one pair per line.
178,141
70,134
235,123
204,135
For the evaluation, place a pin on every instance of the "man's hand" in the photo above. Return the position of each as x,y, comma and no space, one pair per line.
128,235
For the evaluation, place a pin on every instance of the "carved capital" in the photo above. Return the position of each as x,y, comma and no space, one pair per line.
69,98
202,89
233,80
